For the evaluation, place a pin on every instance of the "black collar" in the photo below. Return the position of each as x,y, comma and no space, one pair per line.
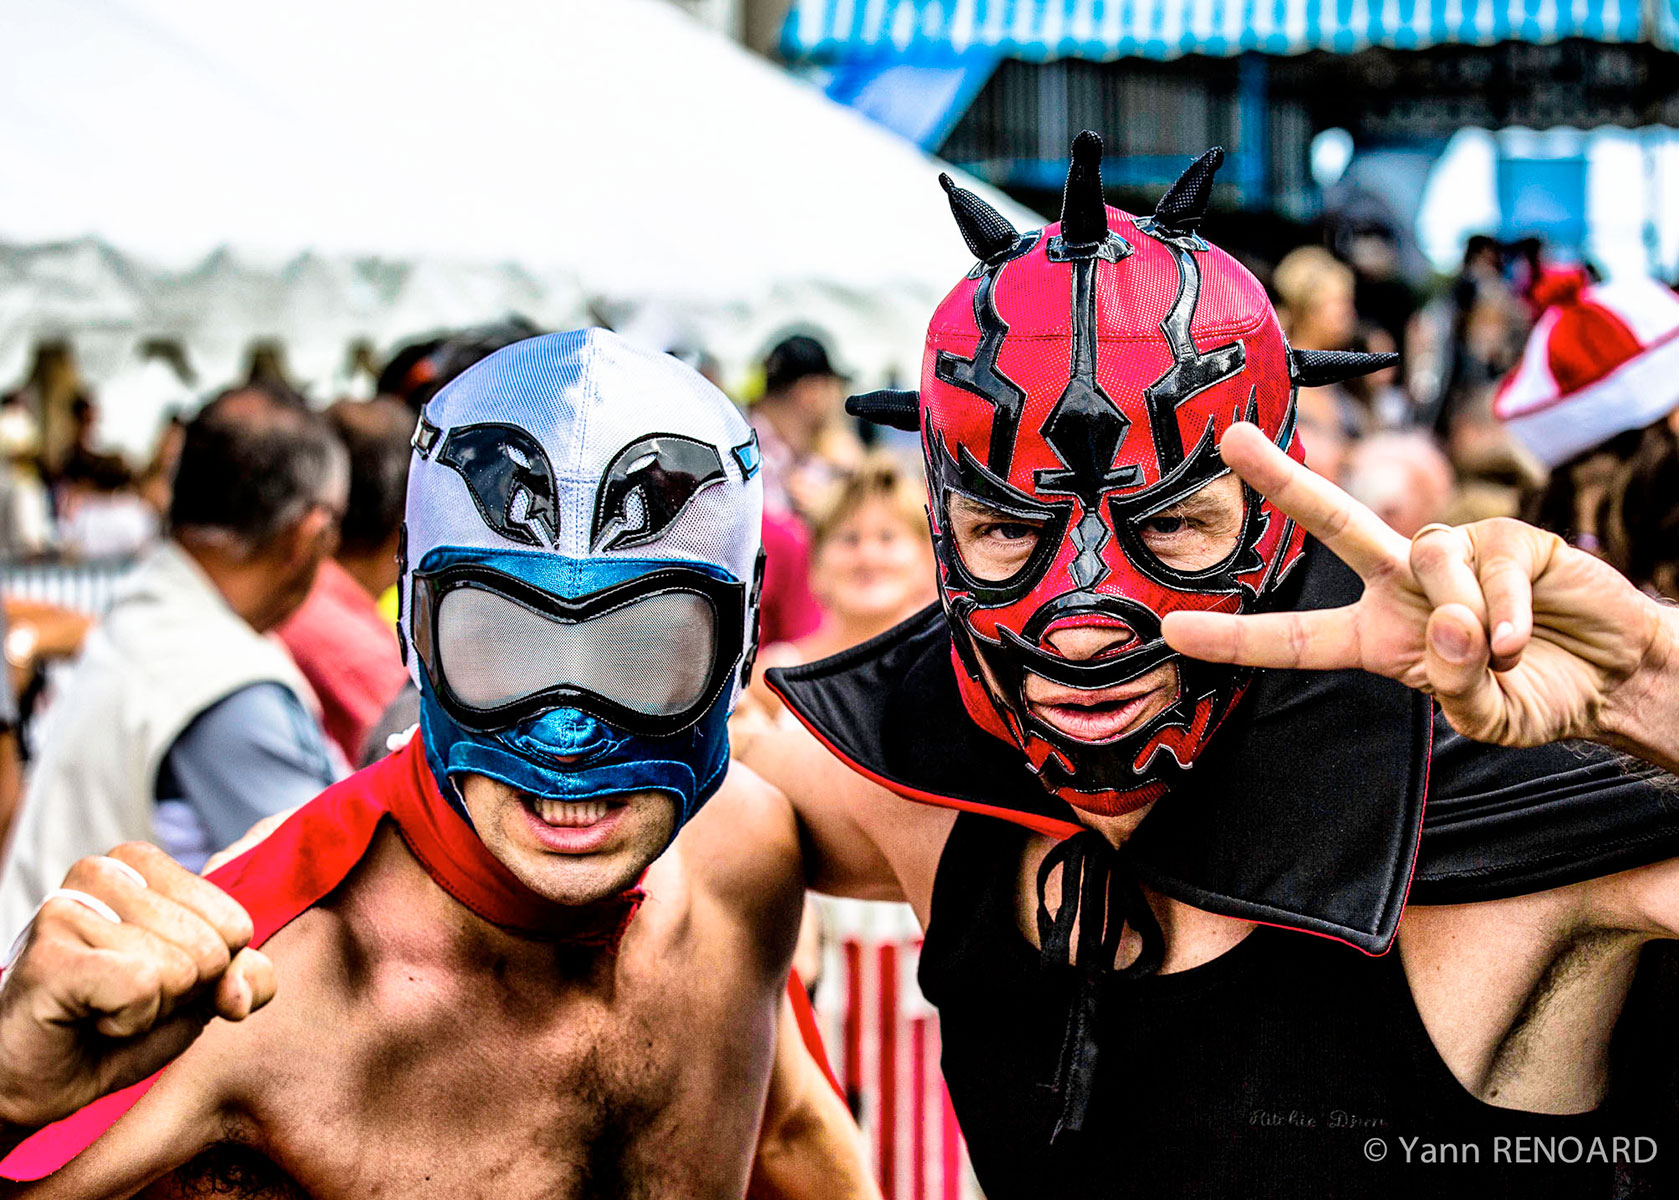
1304,810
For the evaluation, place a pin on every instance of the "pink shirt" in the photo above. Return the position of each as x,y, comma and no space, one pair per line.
348,653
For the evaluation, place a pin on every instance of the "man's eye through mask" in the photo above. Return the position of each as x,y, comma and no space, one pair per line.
650,655
1188,535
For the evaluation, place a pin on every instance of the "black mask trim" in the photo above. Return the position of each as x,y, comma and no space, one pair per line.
968,476
754,606
659,475
504,465
1198,470
980,375
747,456
1192,371
425,437
1085,429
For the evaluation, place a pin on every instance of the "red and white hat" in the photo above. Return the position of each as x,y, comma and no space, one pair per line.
1602,359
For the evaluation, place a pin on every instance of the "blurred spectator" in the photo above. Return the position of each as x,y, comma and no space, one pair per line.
157,480
1640,518
48,394
1315,302
1315,299
787,607
806,447
181,722
1382,400
803,433
100,512
1478,327
1600,371
11,760
1404,477
417,371
1325,431
25,513
344,647
871,566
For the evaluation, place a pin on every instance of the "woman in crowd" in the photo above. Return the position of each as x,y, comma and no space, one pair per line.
871,566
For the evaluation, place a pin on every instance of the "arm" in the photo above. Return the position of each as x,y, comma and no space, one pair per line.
859,839
1523,639
808,1145
92,1004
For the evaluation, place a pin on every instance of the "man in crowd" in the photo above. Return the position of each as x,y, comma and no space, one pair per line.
500,969
1127,1000
182,722
341,642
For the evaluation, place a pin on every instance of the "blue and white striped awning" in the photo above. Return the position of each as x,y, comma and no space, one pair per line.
1042,30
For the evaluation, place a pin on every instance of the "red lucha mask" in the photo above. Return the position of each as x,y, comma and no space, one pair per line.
1077,383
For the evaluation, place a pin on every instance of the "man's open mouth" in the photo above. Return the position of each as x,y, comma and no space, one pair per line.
1098,715
568,814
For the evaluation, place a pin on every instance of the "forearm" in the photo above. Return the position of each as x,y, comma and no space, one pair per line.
1642,717
809,1147
813,1152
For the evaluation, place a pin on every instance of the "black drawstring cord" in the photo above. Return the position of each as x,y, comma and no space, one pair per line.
1097,882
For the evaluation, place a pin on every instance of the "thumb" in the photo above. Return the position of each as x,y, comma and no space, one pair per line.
1456,659
246,986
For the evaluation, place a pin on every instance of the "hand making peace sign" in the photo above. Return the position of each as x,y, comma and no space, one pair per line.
1575,650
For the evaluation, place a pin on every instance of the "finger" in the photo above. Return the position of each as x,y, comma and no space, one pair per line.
1509,557
1442,561
123,976
145,908
1318,640
247,985
167,877
1456,661
1358,536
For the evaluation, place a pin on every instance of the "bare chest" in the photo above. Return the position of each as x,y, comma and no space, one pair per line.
645,1079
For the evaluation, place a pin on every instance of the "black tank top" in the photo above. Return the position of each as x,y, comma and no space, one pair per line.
1281,1068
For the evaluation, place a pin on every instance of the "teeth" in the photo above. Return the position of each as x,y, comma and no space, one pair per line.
566,814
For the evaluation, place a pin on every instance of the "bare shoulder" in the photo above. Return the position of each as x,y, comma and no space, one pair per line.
743,844
861,839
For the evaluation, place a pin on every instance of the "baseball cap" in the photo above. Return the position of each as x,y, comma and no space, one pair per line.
794,358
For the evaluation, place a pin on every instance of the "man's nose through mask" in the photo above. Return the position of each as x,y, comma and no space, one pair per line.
1073,393
581,571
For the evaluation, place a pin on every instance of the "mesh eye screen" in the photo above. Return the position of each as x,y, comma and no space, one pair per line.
652,655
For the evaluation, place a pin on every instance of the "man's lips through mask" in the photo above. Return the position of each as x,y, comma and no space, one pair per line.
1100,714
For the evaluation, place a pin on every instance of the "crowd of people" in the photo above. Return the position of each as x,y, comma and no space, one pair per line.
1025,588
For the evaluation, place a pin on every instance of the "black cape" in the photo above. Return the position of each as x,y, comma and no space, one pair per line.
1326,802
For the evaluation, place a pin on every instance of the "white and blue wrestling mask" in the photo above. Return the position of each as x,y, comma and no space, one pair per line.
581,569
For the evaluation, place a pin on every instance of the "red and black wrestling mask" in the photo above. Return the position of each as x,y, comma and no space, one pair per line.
1075,387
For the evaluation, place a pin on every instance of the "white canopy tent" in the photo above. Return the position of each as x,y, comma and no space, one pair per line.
377,169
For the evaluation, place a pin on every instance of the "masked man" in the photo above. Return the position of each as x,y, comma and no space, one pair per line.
1120,852
540,950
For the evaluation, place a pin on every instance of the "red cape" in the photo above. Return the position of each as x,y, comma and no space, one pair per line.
311,854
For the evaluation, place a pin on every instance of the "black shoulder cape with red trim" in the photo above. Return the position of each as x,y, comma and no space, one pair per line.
1325,802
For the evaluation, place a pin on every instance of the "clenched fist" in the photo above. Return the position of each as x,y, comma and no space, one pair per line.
92,1005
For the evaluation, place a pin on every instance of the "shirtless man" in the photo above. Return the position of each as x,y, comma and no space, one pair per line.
516,958
1120,1014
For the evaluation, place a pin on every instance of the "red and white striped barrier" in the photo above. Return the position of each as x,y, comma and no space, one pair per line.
871,1009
